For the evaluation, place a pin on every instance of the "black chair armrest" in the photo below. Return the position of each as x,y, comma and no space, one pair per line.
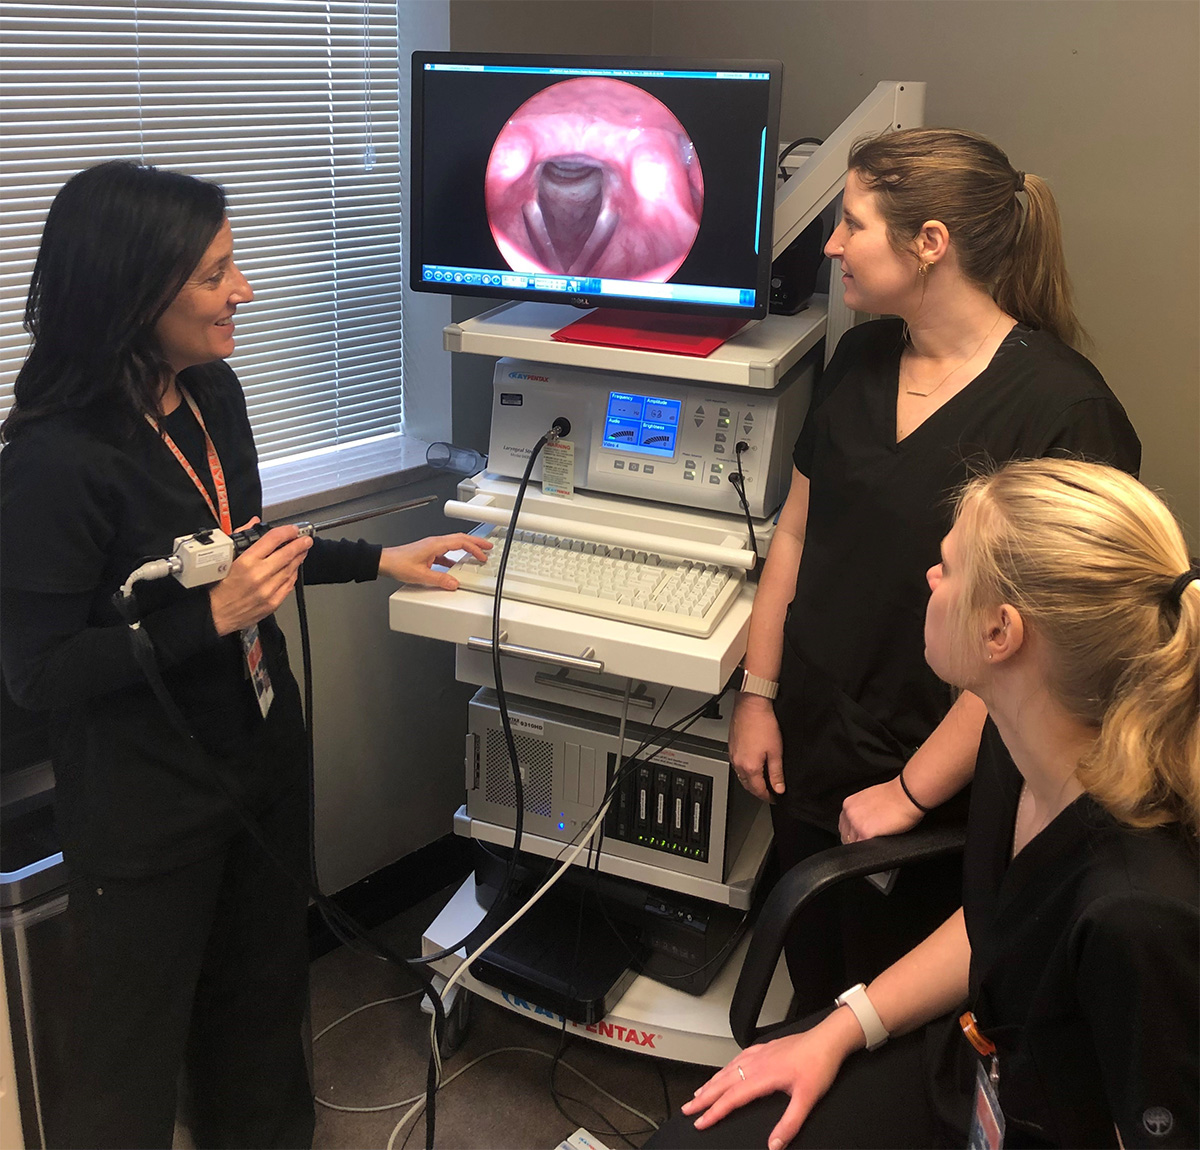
803,883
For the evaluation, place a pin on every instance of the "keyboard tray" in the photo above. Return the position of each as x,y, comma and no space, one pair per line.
640,587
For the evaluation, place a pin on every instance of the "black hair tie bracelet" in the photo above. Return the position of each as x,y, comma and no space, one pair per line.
904,787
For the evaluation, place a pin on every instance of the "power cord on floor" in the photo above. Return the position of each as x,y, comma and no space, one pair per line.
337,1022
514,1050
556,1061
462,1070
602,1124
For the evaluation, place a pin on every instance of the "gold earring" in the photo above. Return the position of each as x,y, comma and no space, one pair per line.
923,269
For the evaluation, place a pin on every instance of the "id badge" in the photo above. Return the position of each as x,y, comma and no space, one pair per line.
987,1119
256,668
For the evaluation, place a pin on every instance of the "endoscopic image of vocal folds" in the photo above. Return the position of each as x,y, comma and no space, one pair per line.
594,177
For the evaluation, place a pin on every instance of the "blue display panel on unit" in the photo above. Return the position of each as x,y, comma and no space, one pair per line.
645,424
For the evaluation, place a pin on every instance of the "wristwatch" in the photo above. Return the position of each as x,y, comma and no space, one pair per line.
868,1018
757,685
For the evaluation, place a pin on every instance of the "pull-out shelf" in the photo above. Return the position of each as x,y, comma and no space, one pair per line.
585,643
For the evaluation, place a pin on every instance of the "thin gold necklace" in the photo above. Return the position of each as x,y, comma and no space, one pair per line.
958,366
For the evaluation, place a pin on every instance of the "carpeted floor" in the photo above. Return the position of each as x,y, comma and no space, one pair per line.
378,1058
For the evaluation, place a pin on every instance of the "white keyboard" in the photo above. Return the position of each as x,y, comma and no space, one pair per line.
612,582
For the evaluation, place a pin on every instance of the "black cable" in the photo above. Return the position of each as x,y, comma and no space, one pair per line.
484,927
683,724
606,1127
498,908
665,736
658,709
626,765
558,1096
510,741
354,930
145,654
721,955
738,481
662,1077
783,172
717,959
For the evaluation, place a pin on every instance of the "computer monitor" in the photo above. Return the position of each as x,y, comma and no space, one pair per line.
627,183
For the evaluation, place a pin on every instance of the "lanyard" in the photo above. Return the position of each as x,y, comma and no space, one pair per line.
252,648
215,470
988,1123
983,1045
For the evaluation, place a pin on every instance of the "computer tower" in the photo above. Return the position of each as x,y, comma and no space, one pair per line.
676,808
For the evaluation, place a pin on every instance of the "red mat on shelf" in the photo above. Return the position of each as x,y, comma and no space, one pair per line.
651,331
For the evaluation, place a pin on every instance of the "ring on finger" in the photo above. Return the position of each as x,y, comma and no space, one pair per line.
741,1072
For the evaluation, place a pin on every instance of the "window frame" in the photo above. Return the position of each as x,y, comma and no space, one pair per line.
320,475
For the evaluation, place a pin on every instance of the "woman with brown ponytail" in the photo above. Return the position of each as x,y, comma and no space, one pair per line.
978,368
1067,602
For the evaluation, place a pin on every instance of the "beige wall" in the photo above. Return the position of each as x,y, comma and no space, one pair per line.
594,26
389,718
1102,97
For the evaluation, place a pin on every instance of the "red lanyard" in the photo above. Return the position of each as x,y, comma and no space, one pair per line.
215,470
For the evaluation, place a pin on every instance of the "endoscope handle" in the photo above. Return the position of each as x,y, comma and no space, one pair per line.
252,534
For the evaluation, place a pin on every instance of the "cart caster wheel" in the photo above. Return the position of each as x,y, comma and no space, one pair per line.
458,1021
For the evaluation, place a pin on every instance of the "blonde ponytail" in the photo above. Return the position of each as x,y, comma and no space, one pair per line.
1093,561
1145,768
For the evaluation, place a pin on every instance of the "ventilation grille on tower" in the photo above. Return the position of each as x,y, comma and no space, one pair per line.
536,758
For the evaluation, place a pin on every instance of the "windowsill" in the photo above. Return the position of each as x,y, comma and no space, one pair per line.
303,486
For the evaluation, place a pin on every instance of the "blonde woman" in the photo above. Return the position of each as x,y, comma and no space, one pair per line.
1067,602
940,231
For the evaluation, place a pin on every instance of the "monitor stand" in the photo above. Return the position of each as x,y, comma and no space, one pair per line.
652,331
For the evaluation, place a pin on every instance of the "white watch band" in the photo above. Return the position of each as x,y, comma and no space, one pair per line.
757,685
868,1018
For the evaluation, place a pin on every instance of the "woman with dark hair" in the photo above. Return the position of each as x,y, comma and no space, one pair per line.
1066,600
940,231
128,430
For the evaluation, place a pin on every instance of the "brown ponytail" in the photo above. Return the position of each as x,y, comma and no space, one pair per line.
1032,284
1012,249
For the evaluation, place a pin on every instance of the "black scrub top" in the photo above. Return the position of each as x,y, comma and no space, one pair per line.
1085,971
83,503
856,697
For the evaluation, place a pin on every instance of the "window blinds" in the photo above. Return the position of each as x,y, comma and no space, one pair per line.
292,105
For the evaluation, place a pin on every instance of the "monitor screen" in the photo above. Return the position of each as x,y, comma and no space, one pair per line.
618,182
